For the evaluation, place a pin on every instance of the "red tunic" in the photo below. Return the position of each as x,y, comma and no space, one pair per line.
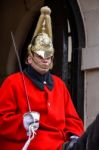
58,117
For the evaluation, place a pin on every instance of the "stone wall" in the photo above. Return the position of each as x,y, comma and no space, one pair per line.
90,58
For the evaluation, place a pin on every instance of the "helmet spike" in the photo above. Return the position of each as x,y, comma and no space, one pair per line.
44,18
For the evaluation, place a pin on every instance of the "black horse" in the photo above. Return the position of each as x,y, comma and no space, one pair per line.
89,140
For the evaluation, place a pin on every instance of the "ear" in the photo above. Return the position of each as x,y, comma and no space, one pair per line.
29,60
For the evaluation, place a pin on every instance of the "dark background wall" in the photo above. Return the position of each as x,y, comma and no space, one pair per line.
15,16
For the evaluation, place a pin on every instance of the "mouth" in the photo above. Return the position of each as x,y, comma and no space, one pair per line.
44,65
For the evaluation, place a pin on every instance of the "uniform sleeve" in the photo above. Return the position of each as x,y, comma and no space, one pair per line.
11,121
74,125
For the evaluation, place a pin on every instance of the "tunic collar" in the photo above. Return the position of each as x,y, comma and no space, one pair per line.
38,79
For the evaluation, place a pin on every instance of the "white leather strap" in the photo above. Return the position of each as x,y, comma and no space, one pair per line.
32,133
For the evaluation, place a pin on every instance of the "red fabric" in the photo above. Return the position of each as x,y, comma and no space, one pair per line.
58,117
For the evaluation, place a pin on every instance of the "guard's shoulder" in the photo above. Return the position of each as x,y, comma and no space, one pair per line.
11,78
57,79
58,82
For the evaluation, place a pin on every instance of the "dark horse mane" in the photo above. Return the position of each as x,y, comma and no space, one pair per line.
90,138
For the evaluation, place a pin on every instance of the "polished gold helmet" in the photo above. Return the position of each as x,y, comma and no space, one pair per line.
42,39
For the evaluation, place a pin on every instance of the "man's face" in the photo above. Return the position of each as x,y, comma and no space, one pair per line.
40,64
43,62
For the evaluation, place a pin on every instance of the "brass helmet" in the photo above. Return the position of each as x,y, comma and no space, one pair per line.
41,43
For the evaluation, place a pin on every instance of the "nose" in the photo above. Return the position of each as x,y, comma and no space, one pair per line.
45,60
